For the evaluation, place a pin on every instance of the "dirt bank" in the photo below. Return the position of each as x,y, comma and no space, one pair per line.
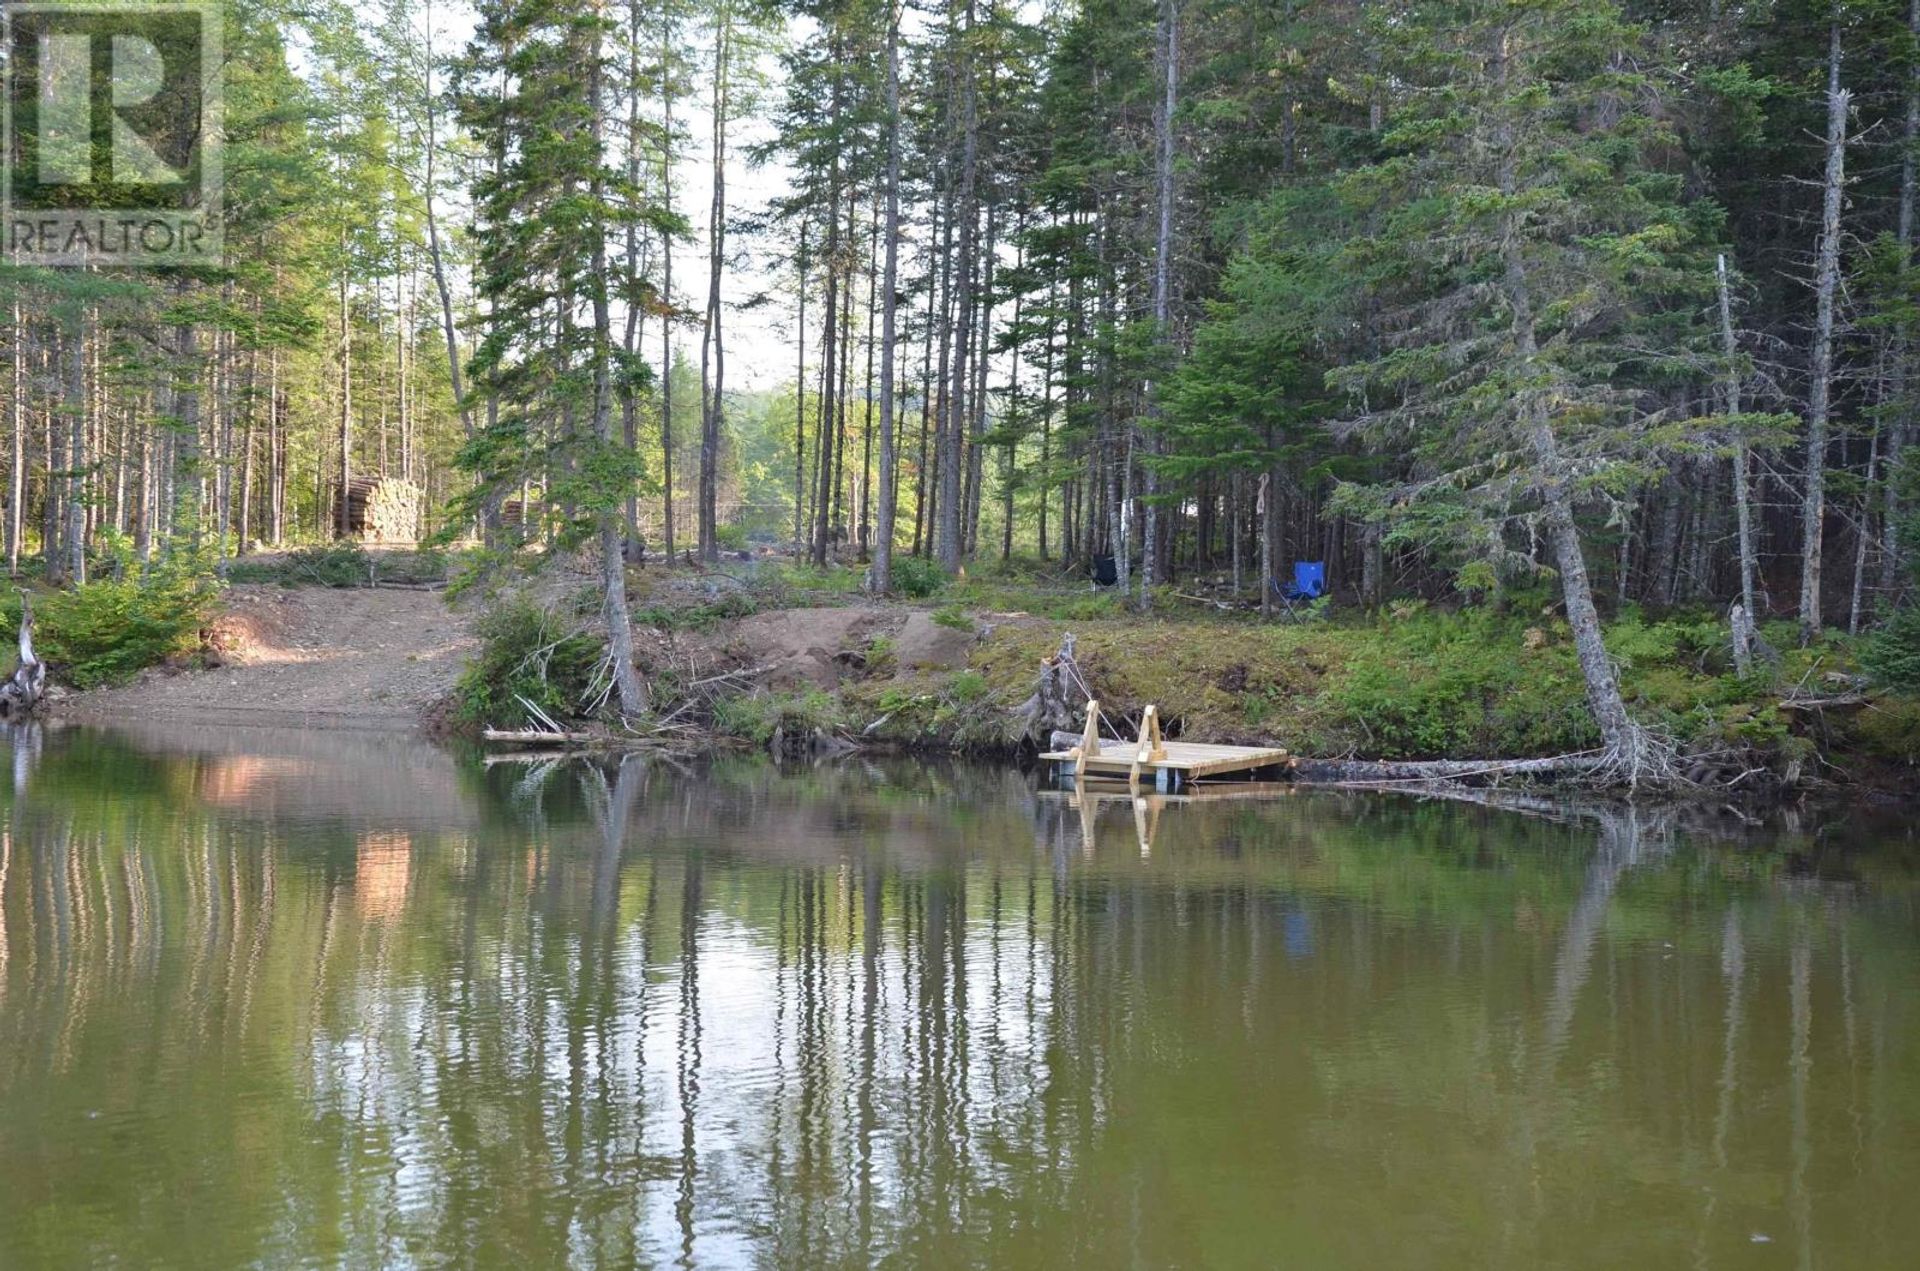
308,657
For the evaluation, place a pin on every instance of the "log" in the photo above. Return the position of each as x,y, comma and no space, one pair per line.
1384,772
536,737
381,510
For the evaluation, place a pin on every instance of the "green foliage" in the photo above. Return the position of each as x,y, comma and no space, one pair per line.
1891,655
916,578
966,687
106,631
1701,642
344,564
528,652
755,717
952,618
699,617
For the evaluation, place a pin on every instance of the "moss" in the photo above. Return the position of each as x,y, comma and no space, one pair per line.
1888,731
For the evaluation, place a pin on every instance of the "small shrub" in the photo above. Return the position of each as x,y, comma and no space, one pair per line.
731,538
916,578
952,618
966,687
106,631
527,651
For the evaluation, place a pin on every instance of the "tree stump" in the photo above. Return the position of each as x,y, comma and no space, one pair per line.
21,695
1057,698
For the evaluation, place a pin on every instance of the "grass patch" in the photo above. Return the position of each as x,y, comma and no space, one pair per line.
757,716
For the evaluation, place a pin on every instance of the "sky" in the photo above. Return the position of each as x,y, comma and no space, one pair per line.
759,339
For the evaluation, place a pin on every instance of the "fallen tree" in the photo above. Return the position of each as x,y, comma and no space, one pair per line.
1584,764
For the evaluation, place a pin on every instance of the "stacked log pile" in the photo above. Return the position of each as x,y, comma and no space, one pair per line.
381,510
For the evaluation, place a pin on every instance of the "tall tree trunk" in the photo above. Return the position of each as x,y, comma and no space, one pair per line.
1813,508
633,331
829,361
448,331
1162,272
713,390
248,399
867,403
17,412
183,512
1742,480
949,540
75,407
1901,425
667,95
800,398
613,565
880,568
1046,410
346,394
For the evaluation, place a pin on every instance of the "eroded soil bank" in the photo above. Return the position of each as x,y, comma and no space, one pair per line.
756,654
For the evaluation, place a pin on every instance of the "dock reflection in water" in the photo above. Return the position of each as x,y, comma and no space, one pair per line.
293,999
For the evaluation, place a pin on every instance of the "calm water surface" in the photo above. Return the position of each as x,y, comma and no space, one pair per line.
281,1000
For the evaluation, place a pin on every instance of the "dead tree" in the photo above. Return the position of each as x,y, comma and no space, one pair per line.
20,696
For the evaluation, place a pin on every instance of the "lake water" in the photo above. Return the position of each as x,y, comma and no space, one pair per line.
338,1000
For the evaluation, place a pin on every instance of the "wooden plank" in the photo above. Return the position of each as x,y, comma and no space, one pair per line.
1190,760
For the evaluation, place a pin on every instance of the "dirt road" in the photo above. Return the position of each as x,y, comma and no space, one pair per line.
309,657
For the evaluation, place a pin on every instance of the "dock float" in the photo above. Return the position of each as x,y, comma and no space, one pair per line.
1166,766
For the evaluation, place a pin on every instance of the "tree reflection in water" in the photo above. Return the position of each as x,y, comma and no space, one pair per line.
395,1010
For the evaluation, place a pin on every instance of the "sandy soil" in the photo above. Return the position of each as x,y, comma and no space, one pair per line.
308,657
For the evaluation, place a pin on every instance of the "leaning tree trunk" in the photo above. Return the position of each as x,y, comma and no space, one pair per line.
1633,753
21,694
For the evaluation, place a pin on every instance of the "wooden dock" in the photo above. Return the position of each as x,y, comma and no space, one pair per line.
1166,766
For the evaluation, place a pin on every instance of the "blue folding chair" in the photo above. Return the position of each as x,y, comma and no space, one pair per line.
1308,585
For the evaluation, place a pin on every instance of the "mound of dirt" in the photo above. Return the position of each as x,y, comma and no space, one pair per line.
924,644
806,648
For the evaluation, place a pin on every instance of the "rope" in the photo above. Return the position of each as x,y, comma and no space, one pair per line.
1100,716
